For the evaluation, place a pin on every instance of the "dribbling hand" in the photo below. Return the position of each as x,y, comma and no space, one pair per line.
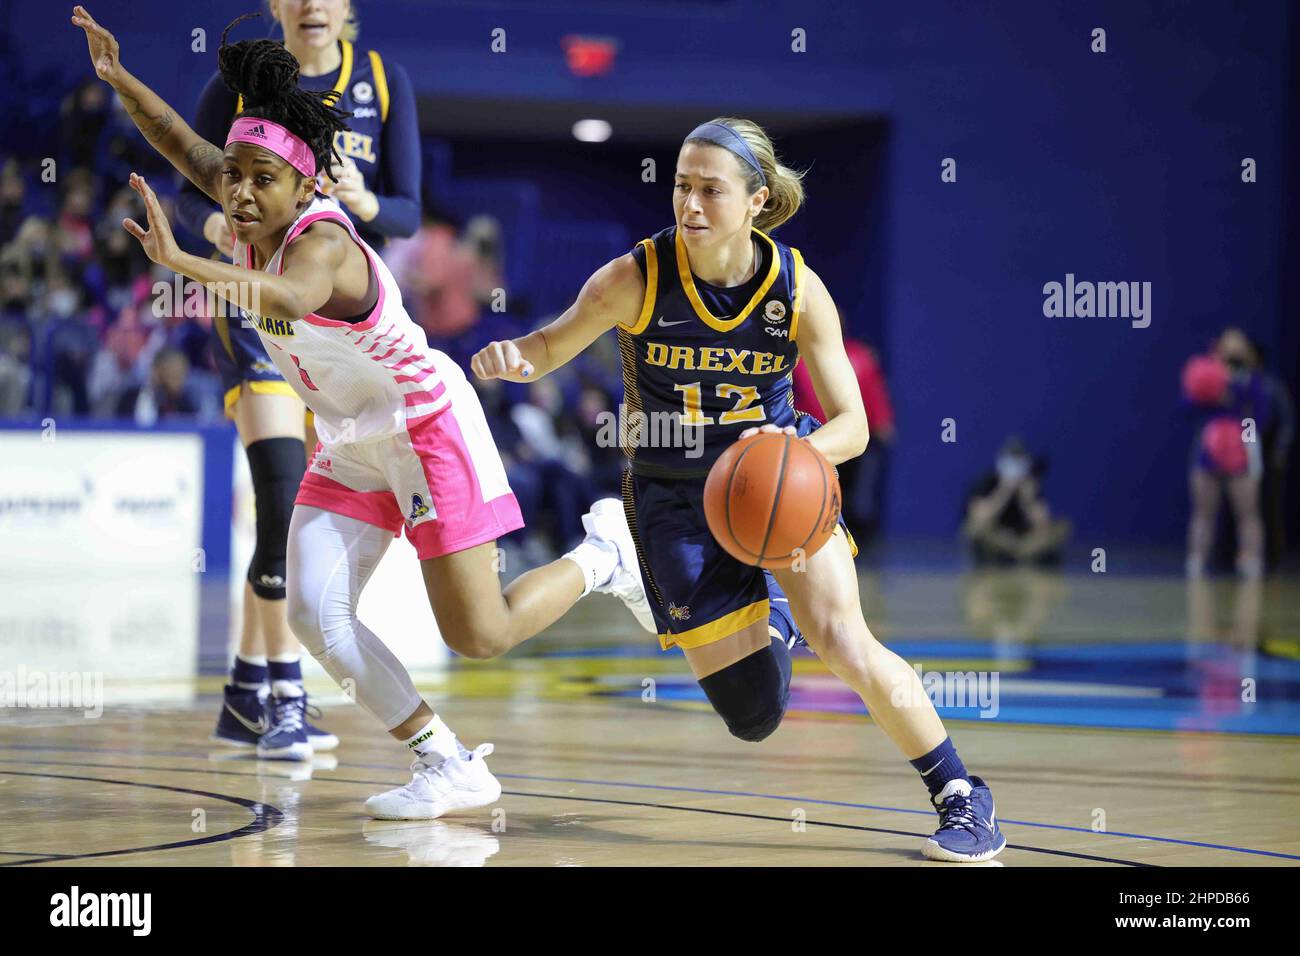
501,360
787,430
158,242
103,46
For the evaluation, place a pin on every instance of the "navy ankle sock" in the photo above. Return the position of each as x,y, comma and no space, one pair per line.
940,766
248,675
290,670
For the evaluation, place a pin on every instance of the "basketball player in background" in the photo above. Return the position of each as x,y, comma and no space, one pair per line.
712,314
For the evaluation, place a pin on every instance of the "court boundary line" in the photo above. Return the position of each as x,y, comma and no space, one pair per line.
513,793
346,780
266,817
763,796
868,806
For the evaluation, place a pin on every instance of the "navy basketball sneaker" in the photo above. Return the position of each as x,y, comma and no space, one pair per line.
287,738
243,717
321,740
968,825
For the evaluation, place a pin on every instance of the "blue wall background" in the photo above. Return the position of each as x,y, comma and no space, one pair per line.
1116,166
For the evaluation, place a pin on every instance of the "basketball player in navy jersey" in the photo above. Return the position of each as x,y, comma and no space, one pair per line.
379,187
712,314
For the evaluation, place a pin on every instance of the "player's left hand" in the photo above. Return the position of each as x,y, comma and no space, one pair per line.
104,51
771,429
158,242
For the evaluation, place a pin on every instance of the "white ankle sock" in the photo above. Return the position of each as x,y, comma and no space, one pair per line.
286,688
434,739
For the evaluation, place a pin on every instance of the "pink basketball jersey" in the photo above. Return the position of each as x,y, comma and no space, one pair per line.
364,380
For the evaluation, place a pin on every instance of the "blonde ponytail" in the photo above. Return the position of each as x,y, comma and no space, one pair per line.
784,184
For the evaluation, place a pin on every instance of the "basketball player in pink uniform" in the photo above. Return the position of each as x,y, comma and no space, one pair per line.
403,440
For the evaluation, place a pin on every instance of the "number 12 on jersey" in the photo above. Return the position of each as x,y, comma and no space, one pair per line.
743,411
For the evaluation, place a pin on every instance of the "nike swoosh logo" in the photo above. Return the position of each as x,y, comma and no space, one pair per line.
667,324
258,728
925,773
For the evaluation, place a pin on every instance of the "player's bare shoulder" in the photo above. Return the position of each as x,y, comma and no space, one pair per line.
325,242
616,290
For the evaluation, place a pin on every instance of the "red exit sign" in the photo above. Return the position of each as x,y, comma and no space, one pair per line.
589,56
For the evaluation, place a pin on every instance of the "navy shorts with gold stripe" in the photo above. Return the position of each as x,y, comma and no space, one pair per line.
699,593
240,357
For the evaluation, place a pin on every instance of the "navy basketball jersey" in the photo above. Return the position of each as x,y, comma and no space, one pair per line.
363,91
704,363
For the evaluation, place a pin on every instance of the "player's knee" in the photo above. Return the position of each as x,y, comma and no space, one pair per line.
835,629
759,727
751,694
477,641
305,621
276,467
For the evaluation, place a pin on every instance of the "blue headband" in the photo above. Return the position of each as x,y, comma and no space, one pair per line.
730,140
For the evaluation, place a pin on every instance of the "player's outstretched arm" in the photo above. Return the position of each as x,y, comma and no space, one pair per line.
611,297
821,345
198,160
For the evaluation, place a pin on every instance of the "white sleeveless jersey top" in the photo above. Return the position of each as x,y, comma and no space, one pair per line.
365,380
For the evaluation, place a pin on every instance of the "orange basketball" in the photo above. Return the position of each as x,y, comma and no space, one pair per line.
771,498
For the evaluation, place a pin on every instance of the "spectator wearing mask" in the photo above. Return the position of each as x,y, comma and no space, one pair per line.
165,396
116,367
123,266
1007,520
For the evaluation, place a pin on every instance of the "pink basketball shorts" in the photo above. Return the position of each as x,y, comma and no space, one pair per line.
442,480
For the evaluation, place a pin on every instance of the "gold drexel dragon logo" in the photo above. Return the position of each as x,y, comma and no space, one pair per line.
682,613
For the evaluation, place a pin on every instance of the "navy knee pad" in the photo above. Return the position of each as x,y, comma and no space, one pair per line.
277,466
750,695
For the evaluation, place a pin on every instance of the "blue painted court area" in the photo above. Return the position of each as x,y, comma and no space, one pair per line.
1154,685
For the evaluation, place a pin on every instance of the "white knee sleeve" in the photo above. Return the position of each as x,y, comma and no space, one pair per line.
330,559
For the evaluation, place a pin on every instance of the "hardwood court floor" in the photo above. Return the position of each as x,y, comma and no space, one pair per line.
1121,738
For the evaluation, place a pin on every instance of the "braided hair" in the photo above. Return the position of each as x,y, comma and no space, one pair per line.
265,74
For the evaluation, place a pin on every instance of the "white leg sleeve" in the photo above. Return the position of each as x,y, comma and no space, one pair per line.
330,559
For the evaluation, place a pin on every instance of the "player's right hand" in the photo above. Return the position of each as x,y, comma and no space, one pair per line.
501,360
103,46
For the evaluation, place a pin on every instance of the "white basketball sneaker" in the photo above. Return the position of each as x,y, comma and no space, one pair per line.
439,786
606,524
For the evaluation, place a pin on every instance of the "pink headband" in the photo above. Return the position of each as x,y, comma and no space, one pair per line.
273,136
